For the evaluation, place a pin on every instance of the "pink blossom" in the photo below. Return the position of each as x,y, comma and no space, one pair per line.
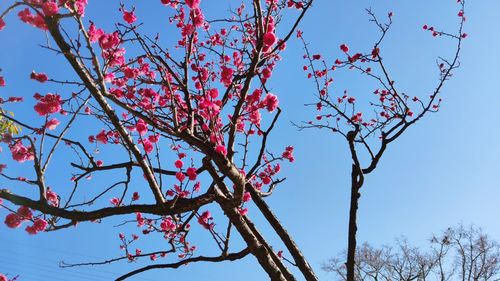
40,77
141,127
13,220
2,81
191,173
21,153
78,4
204,219
135,196
99,163
221,149
109,41
344,48
102,137
148,146
94,33
271,102
266,73
115,201
357,118
129,17
34,20
52,197
193,4
178,164
3,277
269,39
48,104
52,124
242,211
2,24
39,225
25,213
180,176
50,8
197,17
226,76
288,154
246,196
168,225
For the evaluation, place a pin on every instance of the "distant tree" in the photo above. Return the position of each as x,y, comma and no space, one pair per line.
459,253
370,123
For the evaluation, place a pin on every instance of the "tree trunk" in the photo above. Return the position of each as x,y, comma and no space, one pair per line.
356,184
258,246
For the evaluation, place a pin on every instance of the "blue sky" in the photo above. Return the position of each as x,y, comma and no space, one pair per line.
443,171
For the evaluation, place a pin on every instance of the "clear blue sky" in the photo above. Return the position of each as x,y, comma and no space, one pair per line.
441,172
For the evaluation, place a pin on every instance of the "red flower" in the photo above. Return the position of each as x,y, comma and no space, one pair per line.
178,164
288,154
40,224
52,124
221,149
269,39
180,176
21,153
50,8
135,196
246,196
129,17
204,219
109,41
193,4
191,173
344,48
102,137
226,76
271,102
40,77
13,220
197,17
48,104
25,213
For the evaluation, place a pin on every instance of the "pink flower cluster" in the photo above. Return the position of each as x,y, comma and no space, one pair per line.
48,104
129,16
34,20
79,5
40,77
226,76
21,153
205,220
52,197
50,8
14,220
288,154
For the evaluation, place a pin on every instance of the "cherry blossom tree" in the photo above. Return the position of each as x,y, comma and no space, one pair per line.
369,125
181,128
